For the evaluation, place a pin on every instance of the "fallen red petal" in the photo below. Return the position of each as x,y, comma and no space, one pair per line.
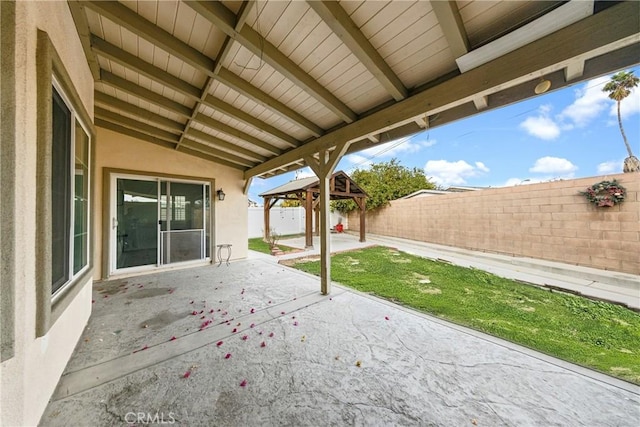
253,310
173,338
263,344
187,374
243,383
295,323
271,335
234,330
143,348
252,325
227,356
245,337
219,343
194,312
386,317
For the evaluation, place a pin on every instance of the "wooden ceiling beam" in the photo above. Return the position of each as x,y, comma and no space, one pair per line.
341,24
248,119
144,94
133,133
210,157
101,98
198,146
143,28
132,62
590,37
451,24
224,19
243,87
225,145
230,130
82,27
127,18
130,123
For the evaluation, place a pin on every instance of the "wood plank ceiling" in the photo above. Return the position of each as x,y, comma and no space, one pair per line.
259,85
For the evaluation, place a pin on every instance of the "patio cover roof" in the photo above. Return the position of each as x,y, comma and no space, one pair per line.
342,187
263,86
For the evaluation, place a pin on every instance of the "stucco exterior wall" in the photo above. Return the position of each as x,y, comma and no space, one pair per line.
550,221
28,379
117,151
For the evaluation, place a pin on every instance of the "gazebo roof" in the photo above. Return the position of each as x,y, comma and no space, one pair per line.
342,187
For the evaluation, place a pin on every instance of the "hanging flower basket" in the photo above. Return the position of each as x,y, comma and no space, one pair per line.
605,193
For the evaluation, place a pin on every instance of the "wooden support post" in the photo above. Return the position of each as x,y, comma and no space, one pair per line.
323,168
363,215
308,227
267,208
317,213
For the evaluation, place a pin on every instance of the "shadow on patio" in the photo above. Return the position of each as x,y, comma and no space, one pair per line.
276,352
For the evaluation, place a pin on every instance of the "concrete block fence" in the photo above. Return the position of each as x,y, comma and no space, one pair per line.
549,221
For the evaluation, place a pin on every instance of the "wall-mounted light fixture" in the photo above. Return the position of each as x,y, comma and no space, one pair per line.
542,87
220,194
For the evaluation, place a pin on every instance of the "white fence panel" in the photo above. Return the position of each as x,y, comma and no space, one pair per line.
285,220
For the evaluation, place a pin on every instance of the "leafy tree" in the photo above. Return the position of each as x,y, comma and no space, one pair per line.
619,88
384,182
290,203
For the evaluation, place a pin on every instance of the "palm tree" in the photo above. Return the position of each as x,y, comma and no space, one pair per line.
619,88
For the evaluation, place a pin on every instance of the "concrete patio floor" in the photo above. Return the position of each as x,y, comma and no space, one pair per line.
279,353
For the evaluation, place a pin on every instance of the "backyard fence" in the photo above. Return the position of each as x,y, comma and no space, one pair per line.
284,221
550,221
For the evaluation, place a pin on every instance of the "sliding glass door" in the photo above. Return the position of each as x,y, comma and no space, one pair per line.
158,222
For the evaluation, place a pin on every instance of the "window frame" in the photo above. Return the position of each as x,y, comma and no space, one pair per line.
73,119
51,74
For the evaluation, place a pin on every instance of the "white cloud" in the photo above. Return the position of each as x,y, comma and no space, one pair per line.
444,172
590,102
407,145
612,166
556,166
541,126
304,173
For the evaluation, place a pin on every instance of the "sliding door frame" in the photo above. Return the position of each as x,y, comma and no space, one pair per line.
108,200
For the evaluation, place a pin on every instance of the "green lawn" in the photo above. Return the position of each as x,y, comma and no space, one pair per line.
598,335
259,245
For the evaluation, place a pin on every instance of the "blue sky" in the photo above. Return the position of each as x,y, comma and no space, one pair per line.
563,134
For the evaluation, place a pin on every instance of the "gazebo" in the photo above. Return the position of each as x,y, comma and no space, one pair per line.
307,191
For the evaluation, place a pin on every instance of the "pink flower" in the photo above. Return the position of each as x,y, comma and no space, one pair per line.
243,383
219,343
187,374
227,356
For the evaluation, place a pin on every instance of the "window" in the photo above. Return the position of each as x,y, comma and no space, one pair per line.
69,193
63,197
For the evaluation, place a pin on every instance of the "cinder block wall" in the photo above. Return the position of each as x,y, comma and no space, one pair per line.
550,221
